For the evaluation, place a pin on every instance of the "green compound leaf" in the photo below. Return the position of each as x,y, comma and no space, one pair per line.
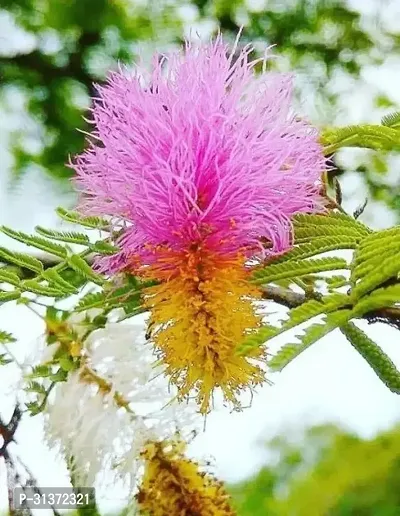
9,277
76,218
35,387
22,260
297,316
127,297
91,300
9,296
312,334
68,236
77,263
5,359
6,338
33,408
42,290
332,219
392,120
57,282
376,358
378,137
317,246
336,281
35,241
294,269
40,371
103,247
307,233
366,259
72,237
380,298
376,260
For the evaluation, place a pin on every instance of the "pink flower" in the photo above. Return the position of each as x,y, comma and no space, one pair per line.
201,150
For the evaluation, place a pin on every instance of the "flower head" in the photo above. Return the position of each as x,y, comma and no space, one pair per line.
106,412
204,164
206,150
173,484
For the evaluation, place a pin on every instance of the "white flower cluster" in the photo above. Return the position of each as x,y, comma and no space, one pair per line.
87,423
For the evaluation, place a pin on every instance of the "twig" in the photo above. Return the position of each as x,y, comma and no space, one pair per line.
286,297
283,296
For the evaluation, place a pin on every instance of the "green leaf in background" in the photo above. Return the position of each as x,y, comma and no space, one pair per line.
327,471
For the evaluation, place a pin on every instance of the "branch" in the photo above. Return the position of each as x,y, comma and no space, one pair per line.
283,296
14,479
286,297
7,430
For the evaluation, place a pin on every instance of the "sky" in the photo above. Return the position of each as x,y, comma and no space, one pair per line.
329,382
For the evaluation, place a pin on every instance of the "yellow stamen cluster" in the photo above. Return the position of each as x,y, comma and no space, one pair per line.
200,312
174,486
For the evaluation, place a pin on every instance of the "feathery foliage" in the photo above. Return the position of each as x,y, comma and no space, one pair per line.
6,338
34,241
373,354
375,262
312,334
378,137
87,222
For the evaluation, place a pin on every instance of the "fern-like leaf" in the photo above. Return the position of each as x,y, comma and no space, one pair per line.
294,269
76,218
378,137
380,298
9,277
312,334
373,354
56,281
392,120
297,316
336,219
336,281
6,338
71,237
385,270
40,371
35,241
42,290
379,240
103,247
91,300
9,296
365,256
5,359
307,233
35,387
126,297
22,260
317,246
79,265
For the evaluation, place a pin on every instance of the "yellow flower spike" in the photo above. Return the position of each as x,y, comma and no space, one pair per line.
199,317
173,485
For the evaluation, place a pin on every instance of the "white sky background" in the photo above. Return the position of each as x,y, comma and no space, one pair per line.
328,383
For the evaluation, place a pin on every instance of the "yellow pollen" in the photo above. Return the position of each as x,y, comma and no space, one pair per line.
201,314
173,485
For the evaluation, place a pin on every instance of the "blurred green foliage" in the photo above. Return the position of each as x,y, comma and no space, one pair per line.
331,473
77,41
